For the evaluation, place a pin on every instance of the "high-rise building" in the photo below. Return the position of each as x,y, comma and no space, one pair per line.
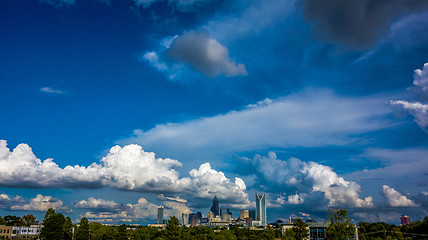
160,215
405,220
224,211
184,219
215,209
244,214
253,215
261,209
193,219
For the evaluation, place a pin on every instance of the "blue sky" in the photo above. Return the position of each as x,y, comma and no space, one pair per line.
112,108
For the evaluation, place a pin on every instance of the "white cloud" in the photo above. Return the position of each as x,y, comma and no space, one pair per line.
51,90
6,202
262,103
419,109
125,168
143,209
296,198
421,78
396,199
42,203
305,177
93,203
309,119
210,182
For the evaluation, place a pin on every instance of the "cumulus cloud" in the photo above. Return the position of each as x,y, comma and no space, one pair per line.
210,182
110,211
205,54
419,109
6,201
357,23
197,50
97,204
42,203
125,168
307,119
396,199
305,177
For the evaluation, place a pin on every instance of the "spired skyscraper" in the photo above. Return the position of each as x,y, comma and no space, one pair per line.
261,209
160,215
215,209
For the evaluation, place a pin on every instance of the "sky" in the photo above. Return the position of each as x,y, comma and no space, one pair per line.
111,108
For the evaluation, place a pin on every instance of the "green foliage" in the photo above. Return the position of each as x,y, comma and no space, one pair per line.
173,229
68,229
29,219
300,229
83,230
2,221
340,225
13,221
53,226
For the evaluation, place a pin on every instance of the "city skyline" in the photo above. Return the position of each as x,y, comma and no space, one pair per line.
112,108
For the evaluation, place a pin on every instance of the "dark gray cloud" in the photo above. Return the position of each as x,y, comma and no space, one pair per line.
205,54
357,23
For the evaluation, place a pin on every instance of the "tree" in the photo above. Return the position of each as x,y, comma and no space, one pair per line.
2,221
68,229
121,232
53,226
29,220
173,229
13,220
83,230
340,225
270,233
300,229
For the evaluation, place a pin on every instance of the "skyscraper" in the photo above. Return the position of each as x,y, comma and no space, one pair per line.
261,209
160,215
184,219
215,209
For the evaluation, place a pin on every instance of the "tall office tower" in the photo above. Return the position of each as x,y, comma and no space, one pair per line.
160,215
405,220
244,214
184,219
215,209
253,215
261,209
193,219
224,211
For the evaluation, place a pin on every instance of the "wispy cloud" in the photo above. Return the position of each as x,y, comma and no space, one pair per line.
50,90
314,118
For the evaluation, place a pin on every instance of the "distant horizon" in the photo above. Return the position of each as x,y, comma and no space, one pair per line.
111,108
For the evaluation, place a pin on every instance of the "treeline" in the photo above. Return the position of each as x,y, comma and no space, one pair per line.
58,227
381,230
16,221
